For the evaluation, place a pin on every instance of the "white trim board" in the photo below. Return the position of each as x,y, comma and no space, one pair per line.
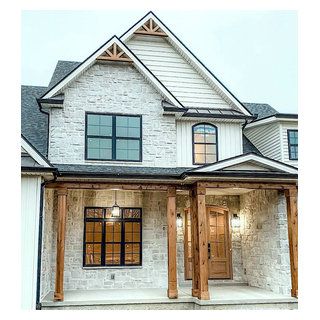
268,121
34,154
92,59
172,39
249,158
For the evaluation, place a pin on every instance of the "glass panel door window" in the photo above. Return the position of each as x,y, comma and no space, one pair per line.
112,241
113,137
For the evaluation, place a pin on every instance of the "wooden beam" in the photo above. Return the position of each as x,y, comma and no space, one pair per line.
172,244
292,216
203,243
112,185
248,185
194,243
62,208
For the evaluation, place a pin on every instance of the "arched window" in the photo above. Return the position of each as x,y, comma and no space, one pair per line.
205,143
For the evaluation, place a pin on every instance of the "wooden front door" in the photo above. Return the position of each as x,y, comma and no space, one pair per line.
219,243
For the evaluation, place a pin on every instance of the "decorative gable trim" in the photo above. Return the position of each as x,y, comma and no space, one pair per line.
192,59
246,161
27,147
151,28
114,53
121,50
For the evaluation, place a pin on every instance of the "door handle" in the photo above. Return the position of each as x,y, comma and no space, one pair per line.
209,250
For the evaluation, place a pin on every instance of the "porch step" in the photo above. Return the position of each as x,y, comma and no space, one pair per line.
222,298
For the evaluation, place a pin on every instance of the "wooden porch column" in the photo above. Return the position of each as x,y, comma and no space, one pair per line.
292,216
62,208
203,243
194,243
200,271
172,243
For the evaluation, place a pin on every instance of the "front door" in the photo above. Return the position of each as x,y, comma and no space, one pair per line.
219,253
218,243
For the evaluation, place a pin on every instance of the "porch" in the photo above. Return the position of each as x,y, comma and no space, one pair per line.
260,253
222,297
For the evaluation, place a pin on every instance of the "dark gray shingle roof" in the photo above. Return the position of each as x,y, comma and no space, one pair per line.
121,170
34,124
262,110
248,146
62,69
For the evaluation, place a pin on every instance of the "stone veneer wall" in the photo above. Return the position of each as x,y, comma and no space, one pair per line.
260,246
265,247
112,88
153,272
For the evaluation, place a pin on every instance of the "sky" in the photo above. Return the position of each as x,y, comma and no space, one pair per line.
254,53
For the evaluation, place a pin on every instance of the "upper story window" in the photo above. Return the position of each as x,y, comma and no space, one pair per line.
205,143
113,137
293,144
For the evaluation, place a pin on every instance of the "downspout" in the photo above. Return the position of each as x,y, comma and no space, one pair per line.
38,304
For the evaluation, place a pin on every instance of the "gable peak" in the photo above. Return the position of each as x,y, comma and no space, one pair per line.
114,53
150,27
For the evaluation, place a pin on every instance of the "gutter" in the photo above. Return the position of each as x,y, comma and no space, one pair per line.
38,304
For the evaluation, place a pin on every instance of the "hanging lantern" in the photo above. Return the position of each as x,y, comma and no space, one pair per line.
115,210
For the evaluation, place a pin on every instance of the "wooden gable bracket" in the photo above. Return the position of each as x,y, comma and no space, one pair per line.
150,28
114,53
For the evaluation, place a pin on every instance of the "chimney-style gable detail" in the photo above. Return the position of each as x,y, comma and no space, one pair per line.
114,53
150,28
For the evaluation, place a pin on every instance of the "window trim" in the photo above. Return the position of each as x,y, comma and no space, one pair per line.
122,265
290,144
193,143
113,138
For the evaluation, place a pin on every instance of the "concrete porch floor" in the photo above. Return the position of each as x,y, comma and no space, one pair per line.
221,297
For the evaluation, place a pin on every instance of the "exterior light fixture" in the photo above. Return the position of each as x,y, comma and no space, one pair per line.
235,221
179,220
115,210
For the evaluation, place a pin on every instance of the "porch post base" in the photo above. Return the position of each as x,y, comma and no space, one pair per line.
195,292
58,296
294,293
172,293
204,295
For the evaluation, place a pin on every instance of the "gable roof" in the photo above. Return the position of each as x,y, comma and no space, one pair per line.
251,160
193,60
62,69
31,157
58,87
34,124
261,110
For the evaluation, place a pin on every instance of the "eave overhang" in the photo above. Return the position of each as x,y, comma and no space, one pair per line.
278,117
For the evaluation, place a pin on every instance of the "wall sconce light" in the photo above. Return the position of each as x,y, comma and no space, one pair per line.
235,221
115,210
179,220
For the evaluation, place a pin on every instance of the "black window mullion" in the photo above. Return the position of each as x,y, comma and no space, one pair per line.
103,239
123,244
114,139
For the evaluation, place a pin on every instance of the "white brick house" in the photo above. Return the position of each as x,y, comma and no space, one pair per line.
155,184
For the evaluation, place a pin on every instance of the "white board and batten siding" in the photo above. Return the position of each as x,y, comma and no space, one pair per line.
30,209
175,72
284,127
267,139
229,141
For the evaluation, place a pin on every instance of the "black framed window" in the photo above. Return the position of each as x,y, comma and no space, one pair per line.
293,144
112,241
113,137
205,143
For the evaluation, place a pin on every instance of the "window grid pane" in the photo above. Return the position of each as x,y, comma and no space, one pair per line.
293,144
